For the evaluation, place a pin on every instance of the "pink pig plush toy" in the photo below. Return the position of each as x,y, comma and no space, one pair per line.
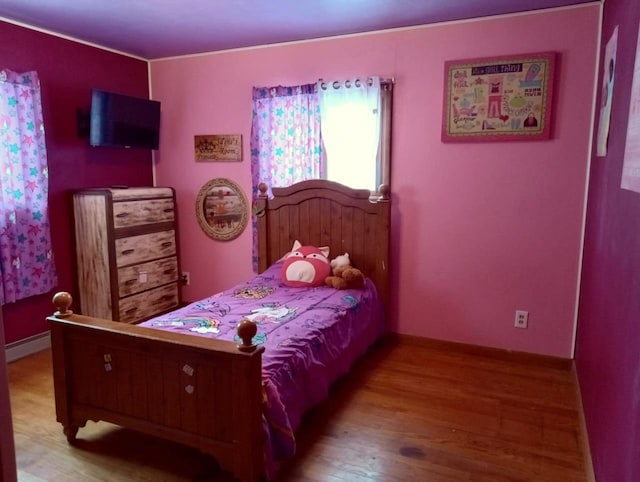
306,266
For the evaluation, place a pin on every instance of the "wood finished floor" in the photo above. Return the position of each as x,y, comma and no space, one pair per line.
411,410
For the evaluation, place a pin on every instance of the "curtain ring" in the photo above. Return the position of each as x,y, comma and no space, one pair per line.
358,83
347,83
273,92
336,85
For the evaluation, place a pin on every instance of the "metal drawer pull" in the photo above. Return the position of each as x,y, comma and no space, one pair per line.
128,251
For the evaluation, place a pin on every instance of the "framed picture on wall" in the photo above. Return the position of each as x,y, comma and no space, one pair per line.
498,98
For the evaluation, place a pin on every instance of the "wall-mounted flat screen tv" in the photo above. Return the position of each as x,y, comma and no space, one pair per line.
119,120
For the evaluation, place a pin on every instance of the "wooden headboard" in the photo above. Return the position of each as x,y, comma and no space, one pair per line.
325,213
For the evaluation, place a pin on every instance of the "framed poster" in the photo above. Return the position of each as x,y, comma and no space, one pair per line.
631,163
498,98
223,147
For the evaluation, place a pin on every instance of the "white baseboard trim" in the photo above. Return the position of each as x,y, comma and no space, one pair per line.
584,436
28,346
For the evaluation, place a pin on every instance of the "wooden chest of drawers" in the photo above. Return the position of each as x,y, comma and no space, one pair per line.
126,252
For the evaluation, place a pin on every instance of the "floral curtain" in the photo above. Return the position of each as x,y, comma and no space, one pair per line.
286,144
26,260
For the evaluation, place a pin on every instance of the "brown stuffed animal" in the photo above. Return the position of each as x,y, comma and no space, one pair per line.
345,277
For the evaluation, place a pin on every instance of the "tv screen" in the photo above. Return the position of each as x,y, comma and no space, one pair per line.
119,120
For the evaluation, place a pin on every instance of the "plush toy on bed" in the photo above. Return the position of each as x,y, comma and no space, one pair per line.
344,275
306,266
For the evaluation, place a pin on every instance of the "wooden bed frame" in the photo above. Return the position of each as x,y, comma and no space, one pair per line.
154,381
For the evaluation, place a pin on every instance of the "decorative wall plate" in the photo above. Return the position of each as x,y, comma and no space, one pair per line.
222,209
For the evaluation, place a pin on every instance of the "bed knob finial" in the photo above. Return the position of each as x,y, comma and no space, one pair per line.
262,187
247,329
384,191
62,301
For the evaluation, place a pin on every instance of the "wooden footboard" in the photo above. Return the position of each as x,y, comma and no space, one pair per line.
197,391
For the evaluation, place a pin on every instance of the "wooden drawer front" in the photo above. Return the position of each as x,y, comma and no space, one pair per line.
133,193
148,303
135,213
145,247
140,277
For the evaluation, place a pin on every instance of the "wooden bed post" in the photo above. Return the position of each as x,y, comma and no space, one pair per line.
382,237
62,301
263,227
249,461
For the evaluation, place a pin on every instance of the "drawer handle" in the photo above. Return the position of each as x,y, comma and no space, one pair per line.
122,215
169,271
167,244
166,298
131,310
168,210
130,282
128,251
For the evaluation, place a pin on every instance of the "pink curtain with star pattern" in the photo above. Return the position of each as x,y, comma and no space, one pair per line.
26,260
286,143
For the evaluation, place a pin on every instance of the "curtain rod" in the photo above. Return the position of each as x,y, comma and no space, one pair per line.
387,83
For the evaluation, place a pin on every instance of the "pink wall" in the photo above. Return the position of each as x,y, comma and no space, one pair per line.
608,339
67,71
479,230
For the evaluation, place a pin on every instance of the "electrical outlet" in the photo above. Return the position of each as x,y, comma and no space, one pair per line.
522,319
186,278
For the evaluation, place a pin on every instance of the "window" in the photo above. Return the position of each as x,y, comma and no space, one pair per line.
338,131
356,121
286,145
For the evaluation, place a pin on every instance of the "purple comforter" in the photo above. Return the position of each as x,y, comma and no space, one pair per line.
311,337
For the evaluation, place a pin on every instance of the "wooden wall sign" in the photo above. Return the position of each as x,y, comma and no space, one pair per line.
223,147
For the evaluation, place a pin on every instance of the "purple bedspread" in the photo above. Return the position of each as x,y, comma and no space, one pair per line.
311,337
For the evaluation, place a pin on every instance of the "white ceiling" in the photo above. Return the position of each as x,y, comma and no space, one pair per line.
162,28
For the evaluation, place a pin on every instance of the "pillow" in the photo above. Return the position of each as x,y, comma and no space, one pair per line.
306,266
